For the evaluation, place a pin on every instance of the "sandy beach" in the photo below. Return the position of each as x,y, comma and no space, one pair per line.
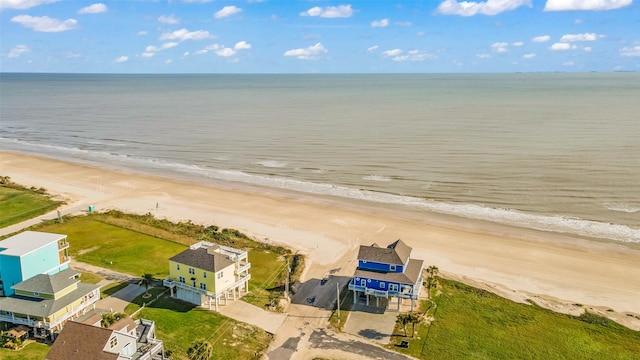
552,269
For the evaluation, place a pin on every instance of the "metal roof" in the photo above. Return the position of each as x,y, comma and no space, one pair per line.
27,241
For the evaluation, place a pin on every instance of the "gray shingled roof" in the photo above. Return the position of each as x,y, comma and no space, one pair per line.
201,259
410,275
396,253
48,284
81,341
44,307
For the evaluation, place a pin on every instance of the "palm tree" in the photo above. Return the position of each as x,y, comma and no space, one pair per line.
146,280
404,319
431,283
414,318
433,271
199,350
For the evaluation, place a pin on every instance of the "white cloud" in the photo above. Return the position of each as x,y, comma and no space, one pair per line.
340,11
587,48
151,50
411,55
227,11
569,5
18,50
483,56
168,61
184,34
373,48
541,38
500,47
580,37
309,53
489,7
529,56
121,59
142,32
45,23
200,52
562,46
380,23
96,8
23,4
168,19
394,52
242,45
631,51
567,63
517,43
226,52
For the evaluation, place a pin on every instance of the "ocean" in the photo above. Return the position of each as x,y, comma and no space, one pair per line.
556,152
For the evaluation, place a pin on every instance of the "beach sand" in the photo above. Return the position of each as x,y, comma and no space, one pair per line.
554,270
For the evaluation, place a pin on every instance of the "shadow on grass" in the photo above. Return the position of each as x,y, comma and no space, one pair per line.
111,289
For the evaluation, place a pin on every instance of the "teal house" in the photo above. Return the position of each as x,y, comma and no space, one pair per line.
31,253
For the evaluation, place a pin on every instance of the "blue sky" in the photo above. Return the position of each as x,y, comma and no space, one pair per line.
272,36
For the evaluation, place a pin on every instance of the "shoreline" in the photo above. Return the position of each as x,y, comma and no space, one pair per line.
556,269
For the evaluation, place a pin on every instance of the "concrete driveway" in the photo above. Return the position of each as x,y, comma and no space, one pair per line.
251,314
119,300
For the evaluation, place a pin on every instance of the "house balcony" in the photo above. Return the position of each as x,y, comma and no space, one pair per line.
62,245
239,281
243,268
148,350
50,325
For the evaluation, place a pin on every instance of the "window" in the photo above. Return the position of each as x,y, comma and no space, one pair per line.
113,342
178,266
219,275
203,286
393,287
204,273
363,282
192,271
392,268
182,279
381,285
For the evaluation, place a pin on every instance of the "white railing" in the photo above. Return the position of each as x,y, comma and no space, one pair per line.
243,268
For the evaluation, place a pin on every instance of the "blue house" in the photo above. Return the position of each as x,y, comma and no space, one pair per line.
386,273
28,254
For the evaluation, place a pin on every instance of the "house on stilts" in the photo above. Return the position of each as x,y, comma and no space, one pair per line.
387,272
206,273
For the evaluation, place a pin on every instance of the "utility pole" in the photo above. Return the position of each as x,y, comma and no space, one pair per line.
286,284
338,299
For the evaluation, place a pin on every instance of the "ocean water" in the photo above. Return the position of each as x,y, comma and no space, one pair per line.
554,152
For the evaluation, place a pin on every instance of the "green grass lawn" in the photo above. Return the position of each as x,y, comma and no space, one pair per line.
20,204
90,278
139,244
179,324
33,351
475,324
264,277
115,248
